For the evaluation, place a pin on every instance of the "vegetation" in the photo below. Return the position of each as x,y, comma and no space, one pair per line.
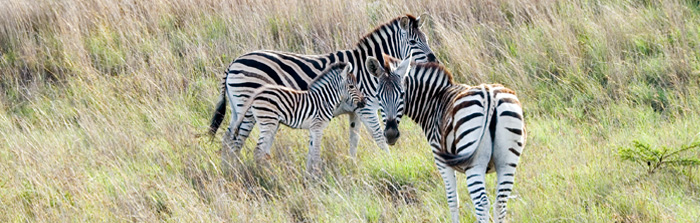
654,158
102,99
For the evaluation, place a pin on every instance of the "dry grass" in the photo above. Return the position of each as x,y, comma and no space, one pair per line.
102,99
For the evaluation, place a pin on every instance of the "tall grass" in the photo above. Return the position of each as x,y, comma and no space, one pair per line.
102,99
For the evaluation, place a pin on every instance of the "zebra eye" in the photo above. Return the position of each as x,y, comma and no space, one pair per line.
352,86
412,42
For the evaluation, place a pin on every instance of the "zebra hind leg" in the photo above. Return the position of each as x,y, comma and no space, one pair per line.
503,190
268,130
230,158
509,141
476,176
506,151
232,144
245,129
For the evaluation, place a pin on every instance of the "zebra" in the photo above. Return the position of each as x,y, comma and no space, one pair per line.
311,109
471,129
401,37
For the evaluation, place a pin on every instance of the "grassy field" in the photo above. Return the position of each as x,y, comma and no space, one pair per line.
101,101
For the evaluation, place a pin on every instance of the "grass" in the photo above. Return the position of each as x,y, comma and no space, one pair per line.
102,101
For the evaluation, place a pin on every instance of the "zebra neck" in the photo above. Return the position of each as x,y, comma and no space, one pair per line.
325,95
428,88
382,40
326,81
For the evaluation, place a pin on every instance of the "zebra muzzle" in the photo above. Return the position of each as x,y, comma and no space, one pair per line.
391,132
361,104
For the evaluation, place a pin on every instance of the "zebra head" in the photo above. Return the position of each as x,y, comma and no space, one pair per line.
414,41
390,92
351,89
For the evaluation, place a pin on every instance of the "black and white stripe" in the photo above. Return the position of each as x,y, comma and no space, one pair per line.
271,105
471,129
400,37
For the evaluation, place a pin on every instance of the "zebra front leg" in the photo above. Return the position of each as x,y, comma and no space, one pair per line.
448,176
313,160
476,176
354,132
369,118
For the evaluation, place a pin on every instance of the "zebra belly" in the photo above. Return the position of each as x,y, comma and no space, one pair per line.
303,124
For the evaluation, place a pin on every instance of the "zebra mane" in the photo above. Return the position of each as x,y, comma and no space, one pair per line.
327,73
363,40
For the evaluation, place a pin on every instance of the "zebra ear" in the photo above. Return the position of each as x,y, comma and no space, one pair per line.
374,67
405,23
421,20
404,67
347,71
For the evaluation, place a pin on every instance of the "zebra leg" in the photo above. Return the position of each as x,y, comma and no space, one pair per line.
476,176
509,141
506,151
354,132
232,144
503,190
229,150
448,176
245,130
313,160
506,156
268,130
229,155
369,118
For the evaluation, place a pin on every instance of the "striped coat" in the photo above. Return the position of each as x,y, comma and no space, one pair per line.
400,37
272,105
471,129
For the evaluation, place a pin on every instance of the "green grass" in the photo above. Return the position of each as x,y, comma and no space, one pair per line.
102,102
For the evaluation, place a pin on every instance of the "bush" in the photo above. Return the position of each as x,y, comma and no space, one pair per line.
654,158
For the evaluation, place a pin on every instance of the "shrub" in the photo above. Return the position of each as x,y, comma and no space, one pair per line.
654,157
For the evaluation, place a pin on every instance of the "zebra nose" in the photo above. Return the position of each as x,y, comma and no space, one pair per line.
392,135
392,132
432,58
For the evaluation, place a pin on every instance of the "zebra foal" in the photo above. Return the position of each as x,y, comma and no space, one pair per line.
471,129
271,105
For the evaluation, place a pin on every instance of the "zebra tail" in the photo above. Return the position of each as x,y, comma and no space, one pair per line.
220,110
454,159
